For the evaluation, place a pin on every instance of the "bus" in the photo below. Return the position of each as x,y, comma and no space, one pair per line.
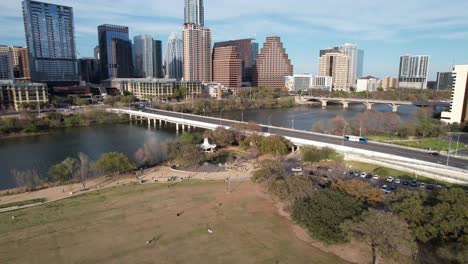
356,139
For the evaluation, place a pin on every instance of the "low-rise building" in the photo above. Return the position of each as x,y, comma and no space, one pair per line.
322,83
298,82
444,81
458,111
389,82
154,89
16,95
368,84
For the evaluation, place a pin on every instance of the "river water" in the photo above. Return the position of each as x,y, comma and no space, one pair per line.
40,152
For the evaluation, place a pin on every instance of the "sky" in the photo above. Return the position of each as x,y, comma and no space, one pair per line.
384,29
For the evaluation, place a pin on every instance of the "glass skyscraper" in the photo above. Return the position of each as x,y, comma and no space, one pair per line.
194,12
115,51
50,39
173,59
143,54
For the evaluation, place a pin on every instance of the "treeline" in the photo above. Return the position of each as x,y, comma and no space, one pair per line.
391,94
406,226
31,124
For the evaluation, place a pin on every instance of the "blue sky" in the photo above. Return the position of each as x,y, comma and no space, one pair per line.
384,29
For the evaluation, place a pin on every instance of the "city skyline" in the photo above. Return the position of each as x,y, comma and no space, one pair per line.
381,32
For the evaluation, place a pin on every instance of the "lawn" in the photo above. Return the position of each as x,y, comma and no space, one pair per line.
113,226
434,144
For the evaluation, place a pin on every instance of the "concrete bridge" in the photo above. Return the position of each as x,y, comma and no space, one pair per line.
367,102
449,169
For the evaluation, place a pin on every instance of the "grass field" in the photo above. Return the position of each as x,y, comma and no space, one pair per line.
113,226
434,144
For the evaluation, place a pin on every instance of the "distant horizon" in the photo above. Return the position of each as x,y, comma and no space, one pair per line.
382,29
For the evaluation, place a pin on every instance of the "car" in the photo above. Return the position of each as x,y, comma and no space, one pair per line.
422,185
363,174
414,183
384,187
393,187
406,183
387,192
376,177
430,187
298,169
397,181
434,153
369,176
390,179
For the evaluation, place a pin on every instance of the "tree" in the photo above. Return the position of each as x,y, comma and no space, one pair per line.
187,138
222,136
84,165
63,171
338,124
360,190
313,154
185,154
323,213
384,232
409,205
275,145
28,178
269,169
114,162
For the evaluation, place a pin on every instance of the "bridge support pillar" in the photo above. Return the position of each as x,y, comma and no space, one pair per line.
177,127
394,107
160,123
183,127
130,118
369,105
149,122
324,103
345,104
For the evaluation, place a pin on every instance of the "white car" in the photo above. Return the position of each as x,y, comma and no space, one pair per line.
376,177
363,174
397,181
390,179
298,169
422,185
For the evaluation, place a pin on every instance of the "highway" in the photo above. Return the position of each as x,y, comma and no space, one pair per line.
371,146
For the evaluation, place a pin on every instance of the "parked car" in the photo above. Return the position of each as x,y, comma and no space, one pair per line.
397,181
393,187
363,174
390,179
406,183
369,176
384,187
298,169
414,183
430,187
435,154
376,177
422,185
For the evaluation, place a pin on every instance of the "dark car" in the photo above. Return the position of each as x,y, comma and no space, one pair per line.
406,183
369,176
393,187
435,154
414,184
430,187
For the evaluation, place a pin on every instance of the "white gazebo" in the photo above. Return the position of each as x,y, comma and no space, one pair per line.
207,147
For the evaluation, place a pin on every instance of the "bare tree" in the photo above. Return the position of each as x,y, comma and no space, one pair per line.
84,168
28,178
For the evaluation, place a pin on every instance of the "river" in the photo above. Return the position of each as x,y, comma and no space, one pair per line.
42,151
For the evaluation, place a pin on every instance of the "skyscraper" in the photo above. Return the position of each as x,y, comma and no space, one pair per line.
352,51
96,53
272,65
335,65
194,12
115,51
90,70
227,66
50,38
413,71
6,64
157,59
329,50
360,64
458,111
173,59
197,53
143,54
247,51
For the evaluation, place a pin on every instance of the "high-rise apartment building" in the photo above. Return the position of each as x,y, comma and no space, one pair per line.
97,53
444,81
6,64
336,65
413,71
173,58
197,53
20,58
458,111
50,37
143,56
227,67
194,12
157,59
115,51
360,64
352,51
272,65
247,50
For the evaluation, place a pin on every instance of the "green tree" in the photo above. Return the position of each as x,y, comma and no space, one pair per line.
323,213
275,145
187,138
63,171
185,154
269,169
222,137
114,162
313,154
384,232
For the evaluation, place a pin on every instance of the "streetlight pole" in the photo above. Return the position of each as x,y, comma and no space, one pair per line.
294,116
448,153
458,142
360,129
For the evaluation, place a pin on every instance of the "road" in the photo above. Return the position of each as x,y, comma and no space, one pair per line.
371,146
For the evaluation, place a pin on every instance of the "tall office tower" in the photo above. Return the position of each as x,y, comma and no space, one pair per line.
246,52
96,53
360,64
90,70
173,59
272,64
115,51
335,65
227,66
197,53
329,50
444,81
413,71
353,54
194,12
157,59
458,111
254,55
6,64
143,54
50,38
